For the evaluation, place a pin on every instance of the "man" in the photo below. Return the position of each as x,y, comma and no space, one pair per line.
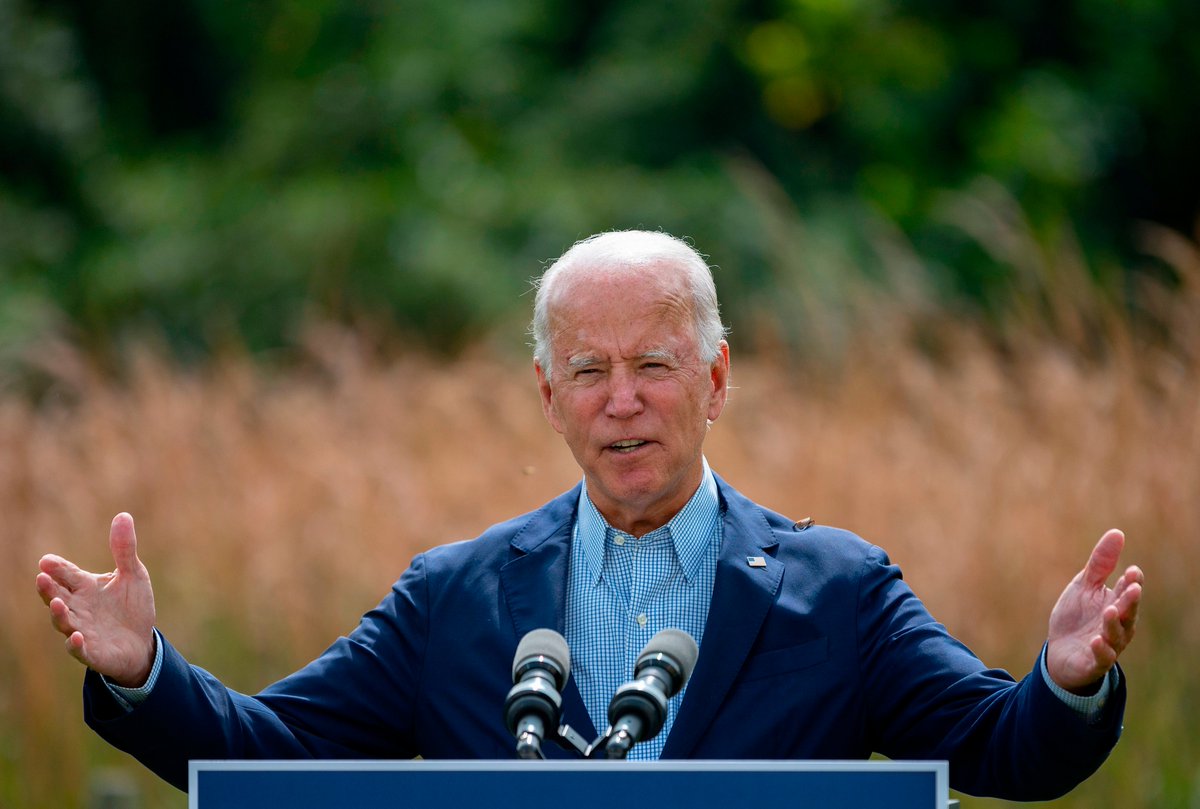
811,645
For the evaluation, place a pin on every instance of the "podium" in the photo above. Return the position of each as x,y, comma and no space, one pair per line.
569,784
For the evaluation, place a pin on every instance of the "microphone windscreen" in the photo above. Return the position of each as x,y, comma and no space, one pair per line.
543,643
676,644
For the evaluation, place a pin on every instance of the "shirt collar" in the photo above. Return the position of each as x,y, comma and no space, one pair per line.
691,529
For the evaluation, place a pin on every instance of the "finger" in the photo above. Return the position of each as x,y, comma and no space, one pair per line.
1105,655
77,648
60,616
1132,575
1104,558
1116,633
48,588
1110,626
122,541
1127,605
66,573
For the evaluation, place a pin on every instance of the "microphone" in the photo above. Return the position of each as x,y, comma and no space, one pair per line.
639,708
540,668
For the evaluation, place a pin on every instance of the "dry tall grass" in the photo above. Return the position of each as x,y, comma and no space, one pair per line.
273,509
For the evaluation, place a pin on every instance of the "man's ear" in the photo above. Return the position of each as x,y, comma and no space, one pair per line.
547,393
719,376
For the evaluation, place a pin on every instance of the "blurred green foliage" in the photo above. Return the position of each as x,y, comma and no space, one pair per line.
213,171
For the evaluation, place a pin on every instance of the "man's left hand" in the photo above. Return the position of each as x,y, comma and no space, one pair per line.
1092,624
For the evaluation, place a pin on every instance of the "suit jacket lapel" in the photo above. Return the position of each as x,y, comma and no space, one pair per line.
742,597
534,582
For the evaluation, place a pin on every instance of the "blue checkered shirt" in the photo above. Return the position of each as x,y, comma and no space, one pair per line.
621,590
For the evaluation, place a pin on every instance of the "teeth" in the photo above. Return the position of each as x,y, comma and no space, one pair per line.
627,444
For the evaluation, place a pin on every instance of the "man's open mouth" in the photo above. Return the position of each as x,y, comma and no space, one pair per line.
628,445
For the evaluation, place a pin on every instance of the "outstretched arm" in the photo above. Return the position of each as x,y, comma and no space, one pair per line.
1092,623
107,618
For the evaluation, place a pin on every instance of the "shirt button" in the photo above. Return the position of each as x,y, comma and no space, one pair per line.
641,619
619,539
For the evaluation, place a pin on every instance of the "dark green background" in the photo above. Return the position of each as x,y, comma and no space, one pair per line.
213,173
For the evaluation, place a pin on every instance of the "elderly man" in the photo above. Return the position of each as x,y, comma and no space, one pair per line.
811,645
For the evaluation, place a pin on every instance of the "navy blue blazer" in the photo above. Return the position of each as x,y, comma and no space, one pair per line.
825,653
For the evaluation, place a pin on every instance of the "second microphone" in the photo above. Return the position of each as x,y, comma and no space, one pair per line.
638,710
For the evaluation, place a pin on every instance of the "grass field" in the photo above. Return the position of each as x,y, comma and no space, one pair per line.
273,508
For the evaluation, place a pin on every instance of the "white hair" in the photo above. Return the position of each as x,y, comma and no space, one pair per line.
625,249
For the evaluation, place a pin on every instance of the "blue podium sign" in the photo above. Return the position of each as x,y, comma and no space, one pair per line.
568,784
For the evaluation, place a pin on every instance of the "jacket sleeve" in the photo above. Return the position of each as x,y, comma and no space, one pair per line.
932,698
356,700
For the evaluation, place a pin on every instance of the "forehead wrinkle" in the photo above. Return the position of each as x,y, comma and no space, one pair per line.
672,307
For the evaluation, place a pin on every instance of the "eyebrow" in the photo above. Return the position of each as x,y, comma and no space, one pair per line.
583,361
659,354
586,360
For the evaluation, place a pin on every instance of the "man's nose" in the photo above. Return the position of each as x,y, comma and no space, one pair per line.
624,396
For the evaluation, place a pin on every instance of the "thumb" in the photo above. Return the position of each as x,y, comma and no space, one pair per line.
122,542
1104,558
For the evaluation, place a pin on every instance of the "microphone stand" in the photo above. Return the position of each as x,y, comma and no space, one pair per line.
613,743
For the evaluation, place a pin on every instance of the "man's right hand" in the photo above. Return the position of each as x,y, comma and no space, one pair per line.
107,618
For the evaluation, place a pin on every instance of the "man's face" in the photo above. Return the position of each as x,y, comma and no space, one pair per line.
630,391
